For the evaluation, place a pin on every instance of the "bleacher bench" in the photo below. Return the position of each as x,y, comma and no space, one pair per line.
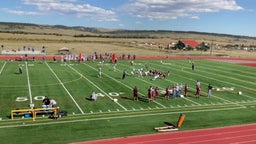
33,112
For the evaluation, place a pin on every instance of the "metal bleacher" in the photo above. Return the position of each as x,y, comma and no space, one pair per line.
11,52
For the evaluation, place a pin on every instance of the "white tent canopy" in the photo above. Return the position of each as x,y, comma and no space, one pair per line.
63,50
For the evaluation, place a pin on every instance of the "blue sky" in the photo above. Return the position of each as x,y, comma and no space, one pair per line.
237,17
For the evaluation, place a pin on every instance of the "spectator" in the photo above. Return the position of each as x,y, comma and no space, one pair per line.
53,103
94,96
46,101
115,66
150,96
209,90
123,56
167,92
174,91
180,89
54,59
193,66
34,58
135,94
20,69
43,59
146,66
124,74
99,72
198,89
156,91
186,90
132,62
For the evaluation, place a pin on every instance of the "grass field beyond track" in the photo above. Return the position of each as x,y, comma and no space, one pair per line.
72,83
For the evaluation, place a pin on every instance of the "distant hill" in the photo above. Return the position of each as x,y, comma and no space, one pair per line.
79,37
83,32
87,31
28,28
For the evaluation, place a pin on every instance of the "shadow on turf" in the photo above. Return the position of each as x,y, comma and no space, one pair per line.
17,73
131,98
169,124
89,99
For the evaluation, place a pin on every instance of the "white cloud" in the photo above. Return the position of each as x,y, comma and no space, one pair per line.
121,25
195,17
18,12
138,23
70,7
173,9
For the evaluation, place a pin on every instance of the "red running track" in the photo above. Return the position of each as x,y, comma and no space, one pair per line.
242,134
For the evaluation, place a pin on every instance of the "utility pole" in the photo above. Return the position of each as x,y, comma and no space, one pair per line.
211,48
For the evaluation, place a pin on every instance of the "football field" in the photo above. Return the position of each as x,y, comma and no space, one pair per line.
71,84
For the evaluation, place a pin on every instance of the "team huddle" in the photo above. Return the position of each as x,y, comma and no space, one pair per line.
170,92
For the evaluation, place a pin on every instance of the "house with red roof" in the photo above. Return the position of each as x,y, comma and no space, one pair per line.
187,44
191,43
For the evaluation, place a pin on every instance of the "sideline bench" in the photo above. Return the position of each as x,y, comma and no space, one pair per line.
33,112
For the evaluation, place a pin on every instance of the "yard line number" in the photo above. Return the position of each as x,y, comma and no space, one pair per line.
40,98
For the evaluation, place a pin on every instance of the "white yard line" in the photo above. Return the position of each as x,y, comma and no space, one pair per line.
244,73
65,88
2,68
96,87
244,87
228,77
248,96
29,87
115,117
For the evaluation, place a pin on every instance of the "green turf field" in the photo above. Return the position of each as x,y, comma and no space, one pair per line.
71,84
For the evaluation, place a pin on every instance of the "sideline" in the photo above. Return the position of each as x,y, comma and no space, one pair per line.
116,117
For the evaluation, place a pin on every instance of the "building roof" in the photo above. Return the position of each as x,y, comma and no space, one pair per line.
64,49
192,43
